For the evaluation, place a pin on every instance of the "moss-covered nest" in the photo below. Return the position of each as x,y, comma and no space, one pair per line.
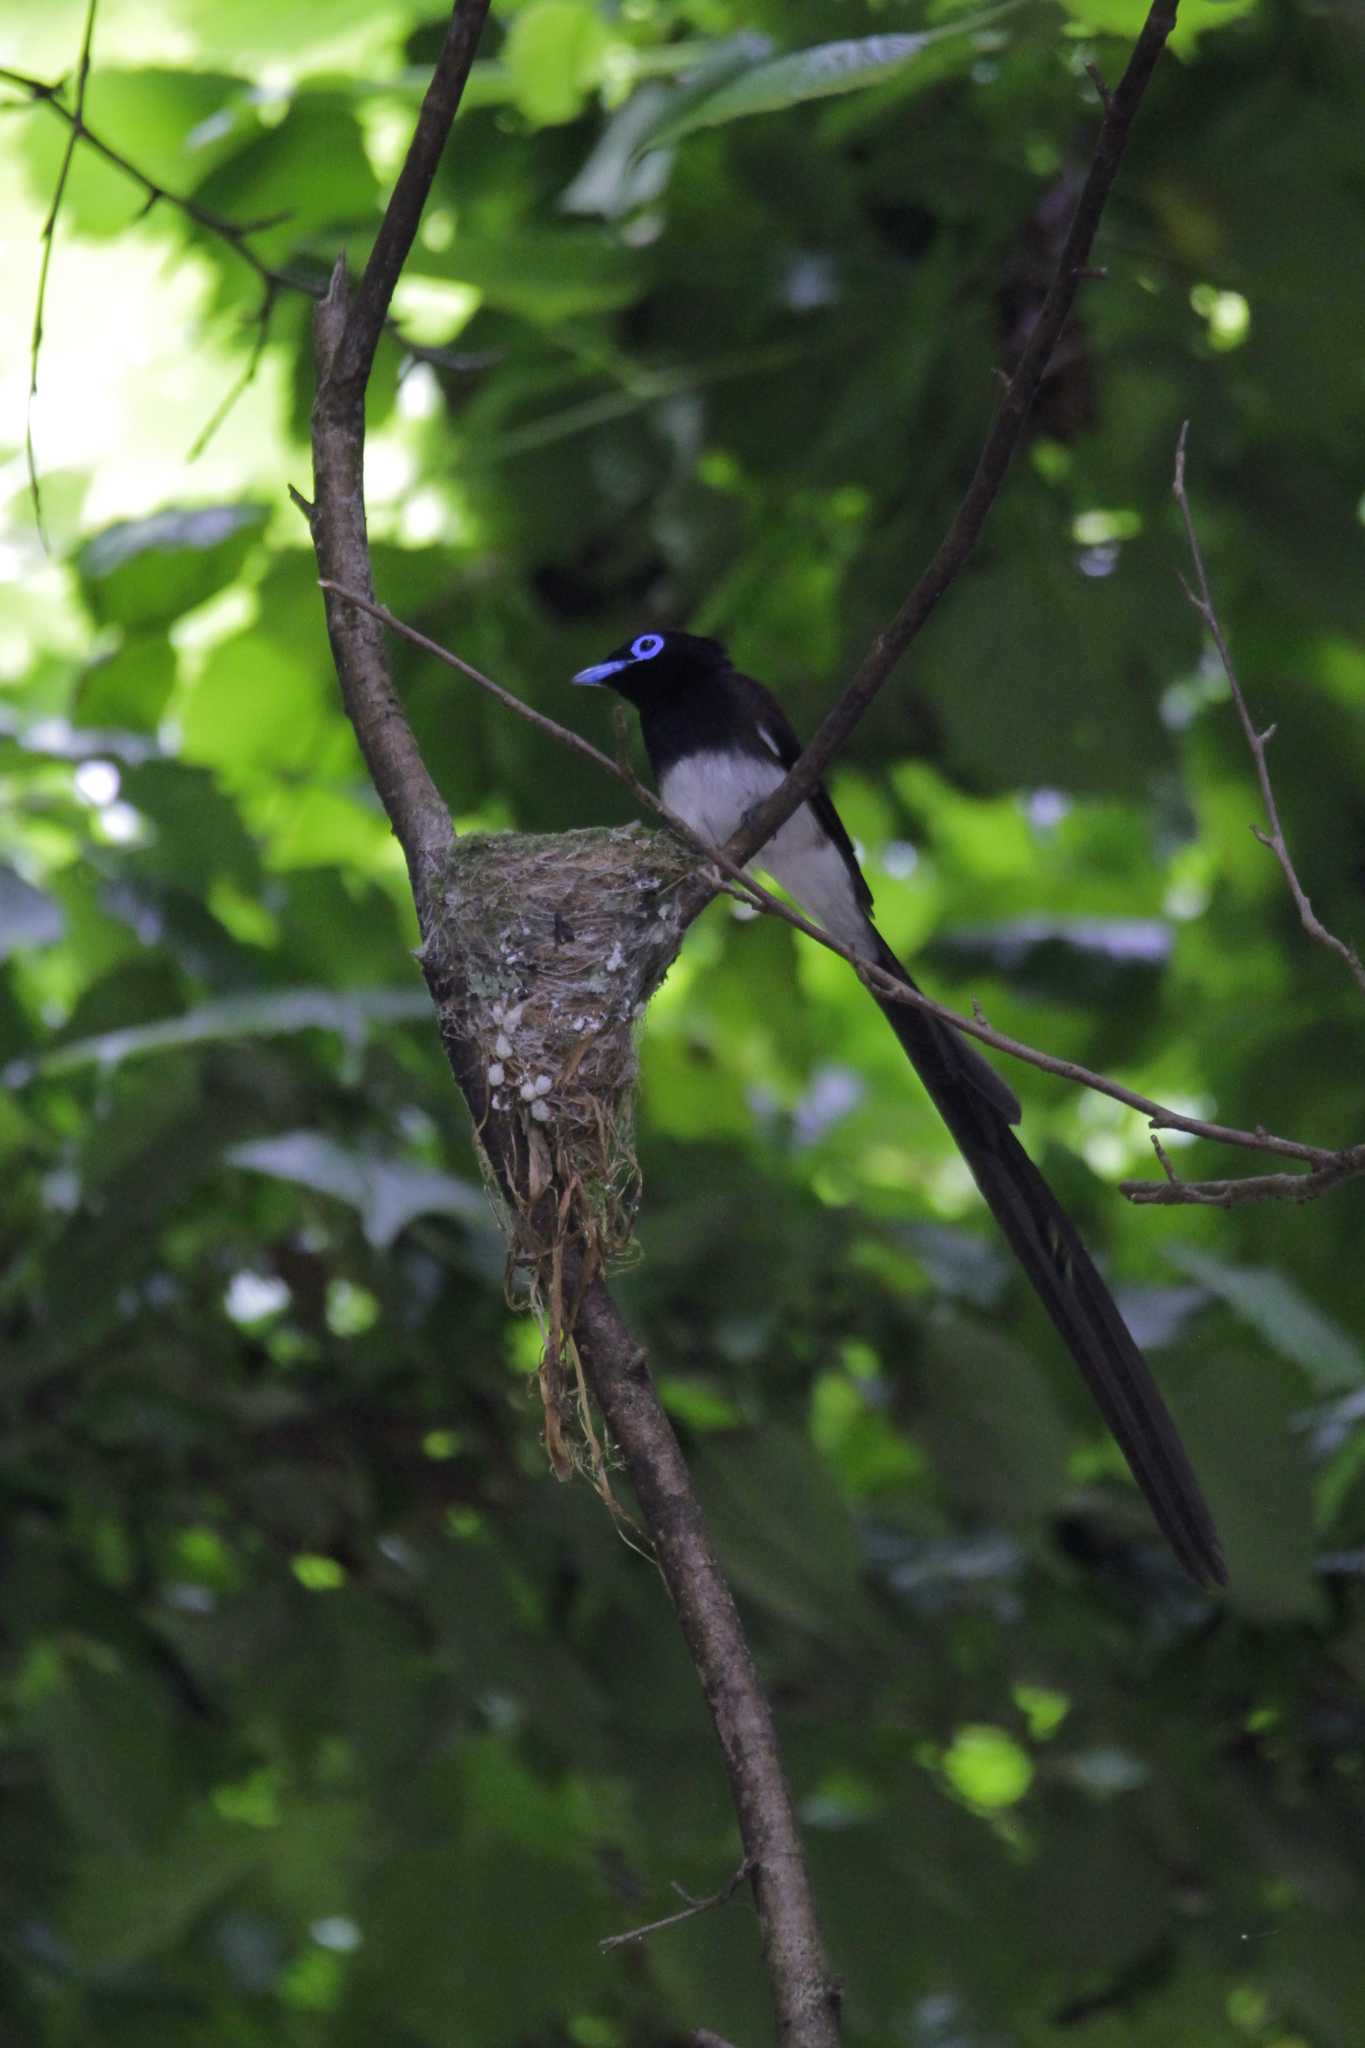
542,952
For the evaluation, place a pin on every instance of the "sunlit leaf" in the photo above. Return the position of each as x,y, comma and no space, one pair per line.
145,572
553,57
766,85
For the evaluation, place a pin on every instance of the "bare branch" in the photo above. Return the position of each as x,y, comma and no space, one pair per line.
804,1996
1202,600
49,230
1329,1167
236,234
1337,1167
807,2000
349,369
1120,109
261,323
688,1912
415,808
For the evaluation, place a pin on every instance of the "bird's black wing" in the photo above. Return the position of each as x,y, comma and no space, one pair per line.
776,729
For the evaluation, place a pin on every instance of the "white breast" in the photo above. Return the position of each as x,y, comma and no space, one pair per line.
712,792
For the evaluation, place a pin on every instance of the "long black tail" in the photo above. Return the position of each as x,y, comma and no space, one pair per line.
1043,1238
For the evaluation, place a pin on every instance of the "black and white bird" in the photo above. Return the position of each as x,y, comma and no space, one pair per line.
718,743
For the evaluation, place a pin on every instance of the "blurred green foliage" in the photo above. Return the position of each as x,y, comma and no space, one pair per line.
326,1716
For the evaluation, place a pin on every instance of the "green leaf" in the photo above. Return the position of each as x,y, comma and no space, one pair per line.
1274,1307
1125,17
146,572
28,917
769,85
276,178
124,1910
553,58
546,274
129,689
252,1016
387,1194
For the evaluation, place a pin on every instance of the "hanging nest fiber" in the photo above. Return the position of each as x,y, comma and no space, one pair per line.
542,952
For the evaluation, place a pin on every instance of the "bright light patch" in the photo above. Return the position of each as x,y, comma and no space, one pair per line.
318,1574
337,1932
437,231
97,783
1105,1154
228,612
900,859
351,1310
390,469
1227,314
419,393
423,517
1047,808
1096,528
1186,900
1044,1709
986,1767
250,1297
434,309
121,825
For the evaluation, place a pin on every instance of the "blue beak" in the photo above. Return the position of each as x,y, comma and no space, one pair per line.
601,673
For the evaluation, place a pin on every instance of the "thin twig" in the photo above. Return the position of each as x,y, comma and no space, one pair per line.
49,230
1120,109
1328,1166
688,1912
1348,1164
261,323
236,234
1202,600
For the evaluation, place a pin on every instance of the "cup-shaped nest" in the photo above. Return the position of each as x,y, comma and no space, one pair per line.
542,952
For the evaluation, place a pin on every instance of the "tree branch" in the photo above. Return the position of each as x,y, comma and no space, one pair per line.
1328,1167
804,1996
236,234
1202,600
349,370
1120,110
687,1912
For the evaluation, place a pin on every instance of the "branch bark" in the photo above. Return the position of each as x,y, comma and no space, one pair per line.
1329,1167
347,331
1120,110
1201,597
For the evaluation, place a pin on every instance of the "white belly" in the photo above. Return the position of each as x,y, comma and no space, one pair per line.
712,792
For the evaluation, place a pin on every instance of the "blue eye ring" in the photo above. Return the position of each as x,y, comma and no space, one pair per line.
646,647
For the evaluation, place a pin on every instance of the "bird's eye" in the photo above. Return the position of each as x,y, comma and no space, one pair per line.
646,647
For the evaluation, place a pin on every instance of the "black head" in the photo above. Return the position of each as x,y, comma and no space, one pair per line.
654,666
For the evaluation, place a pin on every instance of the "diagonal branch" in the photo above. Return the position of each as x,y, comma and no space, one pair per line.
1201,597
1328,1167
687,1912
805,1998
236,234
1120,110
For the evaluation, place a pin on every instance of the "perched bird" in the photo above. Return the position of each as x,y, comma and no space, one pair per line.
718,743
